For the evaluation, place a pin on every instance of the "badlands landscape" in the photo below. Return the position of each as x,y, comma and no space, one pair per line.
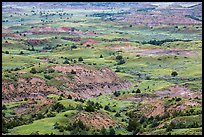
102,68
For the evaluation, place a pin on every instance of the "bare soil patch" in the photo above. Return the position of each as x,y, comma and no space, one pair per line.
178,91
96,120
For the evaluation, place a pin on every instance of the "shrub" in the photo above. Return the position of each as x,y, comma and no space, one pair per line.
101,56
117,114
178,99
138,91
48,77
50,70
107,108
122,61
154,123
21,53
39,116
90,108
51,115
66,62
80,59
143,119
148,78
112,131
73,47
56,125
79,124
16,69
174,73
73,72
69,97
117,93
58,107
119,57
133,125
6,52
4,107
104,131
117,69
33,71
168,129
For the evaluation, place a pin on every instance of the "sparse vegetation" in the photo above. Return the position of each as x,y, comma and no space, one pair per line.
101,68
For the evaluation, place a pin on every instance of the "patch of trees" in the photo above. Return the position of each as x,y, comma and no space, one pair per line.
117,114
107,108
91,106
187,112
120,60
181,125
48,77
109,131
79,99
116,93
32,48
136,91
48,47
73,47
134,125
51,114
160,42
58,107
14,122
76,128
37,116
118,69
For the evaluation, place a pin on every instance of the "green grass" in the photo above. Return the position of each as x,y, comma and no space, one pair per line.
44,126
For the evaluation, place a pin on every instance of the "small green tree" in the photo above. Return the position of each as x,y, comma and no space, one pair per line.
174,73
48,77
104,131
4,107
168,129
119,57
90,108
112,131
66,62
69,97
138,91
21,53
6,52
121,61
117,114
80,59
101,56
107,108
